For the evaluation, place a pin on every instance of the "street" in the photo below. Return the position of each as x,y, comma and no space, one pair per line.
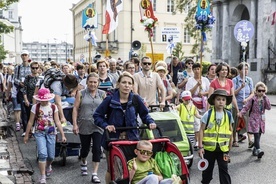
244,168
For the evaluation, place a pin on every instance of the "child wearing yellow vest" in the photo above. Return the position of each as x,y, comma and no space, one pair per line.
187,112
215,137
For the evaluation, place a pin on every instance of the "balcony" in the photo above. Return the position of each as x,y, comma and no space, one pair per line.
113,46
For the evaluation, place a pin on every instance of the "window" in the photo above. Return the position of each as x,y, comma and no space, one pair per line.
187,38
10,15
154,5
170,5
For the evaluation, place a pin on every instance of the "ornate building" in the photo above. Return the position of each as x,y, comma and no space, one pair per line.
260,52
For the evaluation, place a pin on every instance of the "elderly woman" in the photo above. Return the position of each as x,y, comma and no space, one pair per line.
162,73
87,100
120,110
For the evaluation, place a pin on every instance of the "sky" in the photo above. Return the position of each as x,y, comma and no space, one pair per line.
46,20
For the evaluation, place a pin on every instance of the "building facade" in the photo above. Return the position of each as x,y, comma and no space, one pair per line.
59,52
12,41
130,29
261,49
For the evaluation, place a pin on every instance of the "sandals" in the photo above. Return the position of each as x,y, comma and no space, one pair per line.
95,179
235,144
84,169
250,144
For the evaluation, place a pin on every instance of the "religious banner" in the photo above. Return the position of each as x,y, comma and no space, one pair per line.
146,9
89,17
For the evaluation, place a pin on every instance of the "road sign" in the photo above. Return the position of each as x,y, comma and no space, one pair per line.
244,31
167,32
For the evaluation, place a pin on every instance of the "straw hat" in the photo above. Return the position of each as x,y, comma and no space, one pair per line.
44,95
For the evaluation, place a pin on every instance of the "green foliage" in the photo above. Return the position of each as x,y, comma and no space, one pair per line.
5,3
3,53
190,23
205,65
5,28
178,52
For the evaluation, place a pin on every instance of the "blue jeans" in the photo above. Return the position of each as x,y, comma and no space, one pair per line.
46,144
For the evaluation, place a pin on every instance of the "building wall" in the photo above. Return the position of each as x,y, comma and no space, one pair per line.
54,51
123,33
12,41
226,48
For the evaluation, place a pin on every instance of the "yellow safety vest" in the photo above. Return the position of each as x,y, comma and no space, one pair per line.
187,118
217,135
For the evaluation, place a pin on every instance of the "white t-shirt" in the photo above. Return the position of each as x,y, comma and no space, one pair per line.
45,119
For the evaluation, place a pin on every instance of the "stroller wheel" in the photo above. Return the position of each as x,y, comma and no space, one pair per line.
63,154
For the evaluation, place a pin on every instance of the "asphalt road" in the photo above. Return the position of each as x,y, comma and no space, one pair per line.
244,168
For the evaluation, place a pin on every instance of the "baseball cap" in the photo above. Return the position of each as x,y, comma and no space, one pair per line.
186,95
25,52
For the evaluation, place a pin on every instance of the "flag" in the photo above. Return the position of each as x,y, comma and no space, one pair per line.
273,18
113,7
146,9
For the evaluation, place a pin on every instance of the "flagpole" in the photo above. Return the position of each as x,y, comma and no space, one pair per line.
90,55
201,51
151,45
106,46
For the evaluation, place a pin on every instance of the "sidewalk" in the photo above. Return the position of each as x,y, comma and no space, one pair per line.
272,99
12,166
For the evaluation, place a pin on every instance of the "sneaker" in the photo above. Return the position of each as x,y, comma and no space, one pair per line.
260,153
18,127
254,152
241,138
250,144
49,171
42,180
23,135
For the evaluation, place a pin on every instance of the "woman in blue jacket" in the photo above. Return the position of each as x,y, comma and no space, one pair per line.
120,110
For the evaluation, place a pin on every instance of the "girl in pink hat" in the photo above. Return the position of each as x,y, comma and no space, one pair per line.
46,119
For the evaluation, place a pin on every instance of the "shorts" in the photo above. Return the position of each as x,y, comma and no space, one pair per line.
197,125
16,106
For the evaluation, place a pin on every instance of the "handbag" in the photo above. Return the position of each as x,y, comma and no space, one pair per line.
241,124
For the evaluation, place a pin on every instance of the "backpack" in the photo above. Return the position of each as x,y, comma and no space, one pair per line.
209,115
166,164
51,75
38,107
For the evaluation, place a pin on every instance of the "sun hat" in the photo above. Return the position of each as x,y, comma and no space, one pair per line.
161,68
186,95
70,81
44,95
220,92
25,52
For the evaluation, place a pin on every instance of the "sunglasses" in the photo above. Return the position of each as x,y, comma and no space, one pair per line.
259,90
190,63
131,68
34,68
23,54
146,63
145,152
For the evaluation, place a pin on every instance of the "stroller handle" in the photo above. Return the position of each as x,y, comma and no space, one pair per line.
130,128
157,106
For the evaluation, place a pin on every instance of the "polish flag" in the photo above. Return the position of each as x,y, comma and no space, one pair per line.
113,7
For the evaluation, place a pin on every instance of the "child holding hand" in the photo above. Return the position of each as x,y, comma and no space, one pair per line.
143,169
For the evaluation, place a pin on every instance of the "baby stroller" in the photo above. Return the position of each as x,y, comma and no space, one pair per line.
71,147
121,151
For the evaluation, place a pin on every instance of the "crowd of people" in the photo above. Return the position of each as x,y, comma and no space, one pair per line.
111,93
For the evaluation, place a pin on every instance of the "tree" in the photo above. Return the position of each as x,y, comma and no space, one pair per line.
190,6
178,52
5,29
4,4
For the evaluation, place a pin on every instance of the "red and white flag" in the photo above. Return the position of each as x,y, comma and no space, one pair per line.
113,7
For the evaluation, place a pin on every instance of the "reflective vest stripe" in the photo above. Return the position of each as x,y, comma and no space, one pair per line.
219,135
188,123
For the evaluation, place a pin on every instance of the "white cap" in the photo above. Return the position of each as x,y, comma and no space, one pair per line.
25,52
186,95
